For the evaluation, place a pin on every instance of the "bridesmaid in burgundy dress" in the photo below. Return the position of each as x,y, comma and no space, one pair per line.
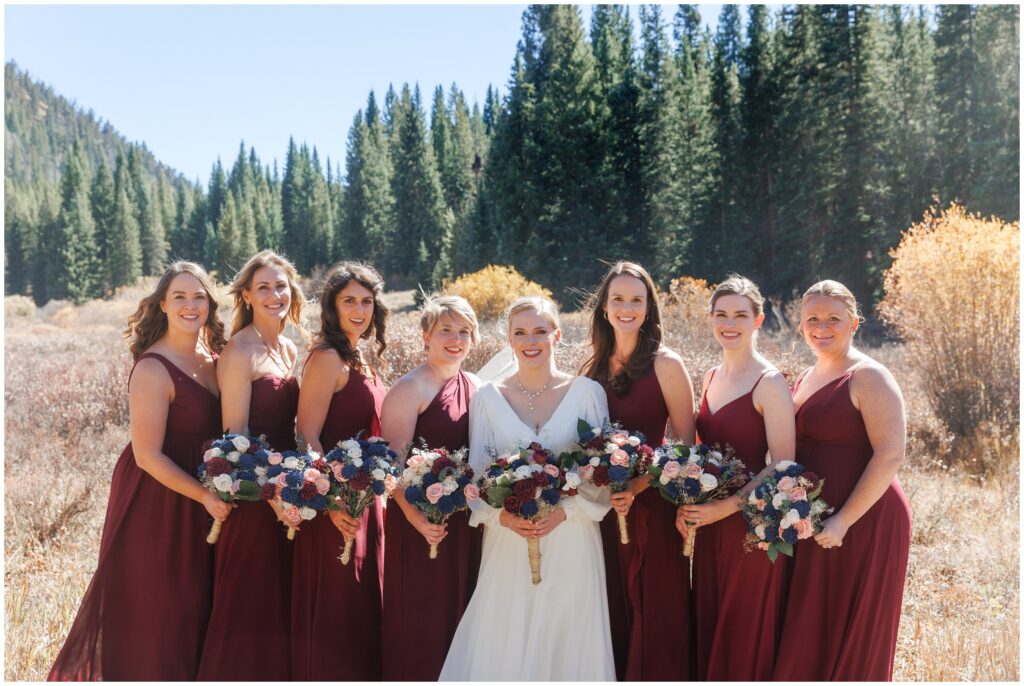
145,611
647,385
738,596
336,609
845,595
424,599
259,395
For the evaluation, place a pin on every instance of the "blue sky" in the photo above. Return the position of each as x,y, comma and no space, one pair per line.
192,81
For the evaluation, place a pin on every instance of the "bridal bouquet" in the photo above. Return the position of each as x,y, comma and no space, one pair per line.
694,475
301,487
530,484
235,467
438,484
608,456
783,508
361,468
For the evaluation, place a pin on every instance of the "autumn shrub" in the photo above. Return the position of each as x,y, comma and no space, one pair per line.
953,295
492,289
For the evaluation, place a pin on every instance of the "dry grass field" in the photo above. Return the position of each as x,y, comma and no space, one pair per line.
66,407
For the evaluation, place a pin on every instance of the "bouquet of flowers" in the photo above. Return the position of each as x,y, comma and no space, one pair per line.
361,469
530,484
783,508
439,484
236,467
302,487
694,475
608,456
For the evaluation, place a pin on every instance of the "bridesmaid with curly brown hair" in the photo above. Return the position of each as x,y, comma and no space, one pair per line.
144,614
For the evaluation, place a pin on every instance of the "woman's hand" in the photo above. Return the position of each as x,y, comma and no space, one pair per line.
278,506
549,523
622,501
217,508
434,533
345,523
833,530
709,512
523,527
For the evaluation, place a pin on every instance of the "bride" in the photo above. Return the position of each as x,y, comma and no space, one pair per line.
557,630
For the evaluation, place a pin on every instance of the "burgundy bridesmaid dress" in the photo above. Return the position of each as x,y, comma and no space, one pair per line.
739,597
252,577
844,603
144,614
336,608
424,599
648,595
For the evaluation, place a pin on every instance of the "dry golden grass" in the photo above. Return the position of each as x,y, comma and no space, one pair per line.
66,376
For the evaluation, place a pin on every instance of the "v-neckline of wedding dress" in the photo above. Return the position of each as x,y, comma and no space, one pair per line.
536,433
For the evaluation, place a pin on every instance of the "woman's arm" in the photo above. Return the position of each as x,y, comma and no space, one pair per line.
234,376
321,376
875,393
150,393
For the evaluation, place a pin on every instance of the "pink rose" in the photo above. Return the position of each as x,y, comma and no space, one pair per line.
803,528
311,475
619,439
415,461
551,470
471,492
671,469
621,458
797,493
786,484
274,458
694,471
336,467
434,493
322,486
292,516
280,480
586,472
389,483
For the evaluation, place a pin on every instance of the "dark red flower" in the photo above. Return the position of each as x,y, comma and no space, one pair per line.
596,443
359,482
319,464
571,491
512,504
535,446
268,491
253,448
810,476
439,464
600,476
540,479
540,456
501,462
308,491
469,473
442,452
712,469
524,489
644,450
217,466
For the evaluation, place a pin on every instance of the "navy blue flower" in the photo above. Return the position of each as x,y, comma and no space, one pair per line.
495,472
273,470
349,471
528,509
414,494
551,495
429,479
794,470
445,504
319,502
246,474
294,479
459,499
246,461
769,510
618,473
789,535
803,507
771,534
691,487
517,463
290,495
378,487
462,481
672,490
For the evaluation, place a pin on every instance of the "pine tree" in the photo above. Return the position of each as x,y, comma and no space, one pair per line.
73,271
216,195
294,206
149,217
124,255
321,245
102,200
182,242
228,239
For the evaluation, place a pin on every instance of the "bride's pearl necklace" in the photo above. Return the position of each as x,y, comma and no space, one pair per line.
532,395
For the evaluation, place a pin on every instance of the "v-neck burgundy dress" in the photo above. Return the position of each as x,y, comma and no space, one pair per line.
739,597
144,614
336,608
252,577
424,599
844,604
648,593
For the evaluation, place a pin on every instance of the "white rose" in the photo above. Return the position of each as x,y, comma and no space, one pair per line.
791,518
378,474
534,468
307,512
261,480
752,498
354,451
663,479
572,479
708,482
430,457
759,531
694,458
357,461
715,460
348,444
408,475
450,486
290,462
232,457
778,500
313,455
784,465
382,463
596,430
634,441
595,461
260,471
610,448
715,455
212,453
523,472
241,443
222,482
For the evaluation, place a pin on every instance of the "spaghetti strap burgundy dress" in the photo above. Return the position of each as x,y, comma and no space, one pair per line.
253,562
424,599
844,604
739,597
144,614
648,593
336,608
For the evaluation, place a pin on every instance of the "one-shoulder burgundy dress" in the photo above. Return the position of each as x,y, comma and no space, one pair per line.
336,608
424,599
738,596
144,614
648,595
844,604
252,579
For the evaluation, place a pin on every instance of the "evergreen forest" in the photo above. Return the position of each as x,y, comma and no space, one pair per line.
793,143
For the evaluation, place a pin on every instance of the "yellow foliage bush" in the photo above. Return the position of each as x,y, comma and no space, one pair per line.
492,289
952,293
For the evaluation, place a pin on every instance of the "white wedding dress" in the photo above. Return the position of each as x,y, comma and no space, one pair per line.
557,630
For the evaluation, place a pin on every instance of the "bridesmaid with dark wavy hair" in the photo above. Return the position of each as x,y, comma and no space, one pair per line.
341,396
259,396
648,388
144,614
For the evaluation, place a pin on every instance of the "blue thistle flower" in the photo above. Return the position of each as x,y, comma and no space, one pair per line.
445,504
528,509
414,494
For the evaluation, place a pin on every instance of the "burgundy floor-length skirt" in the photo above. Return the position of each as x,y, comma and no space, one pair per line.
252,577
843,612
424,599
144,614
336,608
739,597
647,582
